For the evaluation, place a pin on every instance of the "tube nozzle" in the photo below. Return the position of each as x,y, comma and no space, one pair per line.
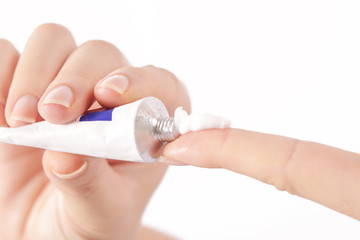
165,129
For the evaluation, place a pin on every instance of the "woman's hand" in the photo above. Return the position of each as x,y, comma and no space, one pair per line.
47,194
320,173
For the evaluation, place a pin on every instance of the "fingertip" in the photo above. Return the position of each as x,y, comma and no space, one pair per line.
6,45
201,148
174,149
55,113
117,83
23,111
62,104
181,151
116,88
169,161
128,84
64,165
108,97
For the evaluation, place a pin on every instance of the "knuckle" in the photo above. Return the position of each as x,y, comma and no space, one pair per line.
7,46
283,181
150,67
129,69
52,29
106,49
161,71
140,74
136,73
98,44
4,43
129,72
175,88
220,160
8,53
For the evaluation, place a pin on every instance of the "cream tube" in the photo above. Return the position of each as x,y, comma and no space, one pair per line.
132,132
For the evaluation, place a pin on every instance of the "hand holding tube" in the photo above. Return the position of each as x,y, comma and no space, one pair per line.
47,193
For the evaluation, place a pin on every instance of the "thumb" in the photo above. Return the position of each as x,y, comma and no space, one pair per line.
94,199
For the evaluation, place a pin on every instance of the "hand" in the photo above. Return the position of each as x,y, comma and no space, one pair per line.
45,193
320,173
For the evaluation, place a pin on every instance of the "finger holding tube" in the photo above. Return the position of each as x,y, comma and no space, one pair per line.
8,60
44,54
71,92
324,174
103,197
98,191
128,84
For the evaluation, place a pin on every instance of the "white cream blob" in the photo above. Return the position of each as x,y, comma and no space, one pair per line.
198,121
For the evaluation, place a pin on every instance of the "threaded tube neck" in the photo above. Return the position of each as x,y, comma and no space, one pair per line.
165,129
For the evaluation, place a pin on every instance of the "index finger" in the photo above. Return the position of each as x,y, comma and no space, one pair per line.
324,174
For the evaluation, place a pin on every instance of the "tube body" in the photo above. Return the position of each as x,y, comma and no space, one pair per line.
123,133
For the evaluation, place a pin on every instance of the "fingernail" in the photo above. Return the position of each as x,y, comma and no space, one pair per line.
67,173
62,95
118,83
24,111
169,161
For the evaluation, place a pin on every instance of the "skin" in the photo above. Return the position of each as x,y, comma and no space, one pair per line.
323,174
45,193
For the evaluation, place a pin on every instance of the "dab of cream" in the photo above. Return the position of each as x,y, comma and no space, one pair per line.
198,121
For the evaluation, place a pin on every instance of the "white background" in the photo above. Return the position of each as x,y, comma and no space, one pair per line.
283,67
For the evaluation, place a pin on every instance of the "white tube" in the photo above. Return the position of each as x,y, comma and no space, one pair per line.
133,132
112,133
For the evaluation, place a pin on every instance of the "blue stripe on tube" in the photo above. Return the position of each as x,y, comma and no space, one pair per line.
105,115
